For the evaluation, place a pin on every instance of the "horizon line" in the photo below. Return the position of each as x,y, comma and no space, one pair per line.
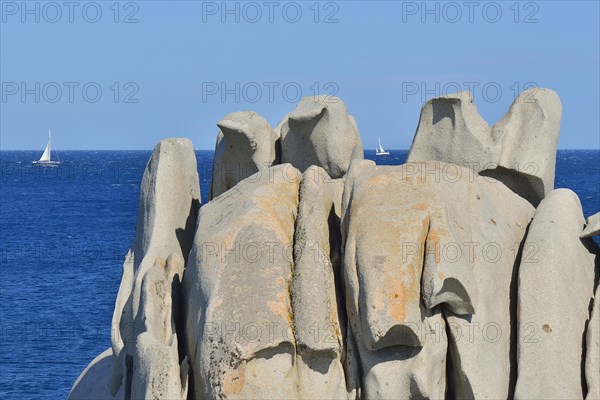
37,150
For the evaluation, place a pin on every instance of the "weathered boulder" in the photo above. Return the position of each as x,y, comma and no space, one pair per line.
319,322
519,150
93,382
483,344
383,288
592,226
408,260
159,298
157,374
320,132
352,365
330,277
156,371
592,355
239,320
408,372
169,201
556,287
528,136
246,144
451,130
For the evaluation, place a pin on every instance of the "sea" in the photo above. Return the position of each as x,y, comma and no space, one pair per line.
64,233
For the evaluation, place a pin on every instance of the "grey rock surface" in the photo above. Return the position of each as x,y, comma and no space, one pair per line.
556,287
246,144
451,130
93,382
169,200
159,293
239,320
592,356
405,258
528,136
519,150
156,370
383,289
331,277
483,344
281,126
320,132
592,226
400,372
319,324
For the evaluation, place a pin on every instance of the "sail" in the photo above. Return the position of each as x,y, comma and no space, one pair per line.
46,155
380,149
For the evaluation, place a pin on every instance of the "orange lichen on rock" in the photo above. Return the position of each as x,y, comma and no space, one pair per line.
233,381
281,307
398,295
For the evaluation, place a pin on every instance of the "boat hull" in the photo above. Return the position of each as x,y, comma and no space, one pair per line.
45,163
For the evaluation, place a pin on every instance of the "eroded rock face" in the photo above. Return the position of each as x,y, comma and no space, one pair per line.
408,260
519,150
319,323
528,134
320,132
414,281
93,382
592,356
156,370
415,372
246,143
451,130
592,226
239,320
157,374
264,318
169,200
556,288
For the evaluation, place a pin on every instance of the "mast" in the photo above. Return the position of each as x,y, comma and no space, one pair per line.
49,144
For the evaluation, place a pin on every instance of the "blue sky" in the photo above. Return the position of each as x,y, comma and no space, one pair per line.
125,76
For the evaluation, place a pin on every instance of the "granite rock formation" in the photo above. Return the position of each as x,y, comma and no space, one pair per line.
94,381
320,132
319,322
245,144
317,274
592,355
519,150
441,254
239,275
143,332
592,226
550,330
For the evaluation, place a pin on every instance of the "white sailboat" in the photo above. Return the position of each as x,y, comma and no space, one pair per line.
46,158
380,151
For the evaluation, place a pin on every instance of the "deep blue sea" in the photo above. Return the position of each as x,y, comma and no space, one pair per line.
64,233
